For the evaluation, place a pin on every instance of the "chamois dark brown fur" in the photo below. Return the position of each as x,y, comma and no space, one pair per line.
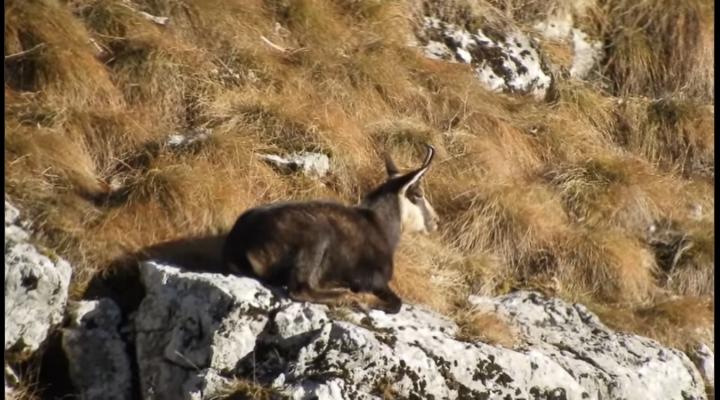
331,253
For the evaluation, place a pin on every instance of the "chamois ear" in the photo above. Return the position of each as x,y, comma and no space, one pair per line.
390,167
413,177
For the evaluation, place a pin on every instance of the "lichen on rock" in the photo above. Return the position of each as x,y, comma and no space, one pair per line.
606,363
508,62
197,332
36,290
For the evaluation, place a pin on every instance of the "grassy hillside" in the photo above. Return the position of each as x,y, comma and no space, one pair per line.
601,194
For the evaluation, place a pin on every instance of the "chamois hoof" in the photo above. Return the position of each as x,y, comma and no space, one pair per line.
391,308
388,301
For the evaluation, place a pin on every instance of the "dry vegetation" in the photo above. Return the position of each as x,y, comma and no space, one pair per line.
25,383
242,389
22,393
486,327
592,196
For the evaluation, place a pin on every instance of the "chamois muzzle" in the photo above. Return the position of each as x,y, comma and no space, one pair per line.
417,214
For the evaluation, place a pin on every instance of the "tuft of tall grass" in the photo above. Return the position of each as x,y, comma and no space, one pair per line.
674,133
658,47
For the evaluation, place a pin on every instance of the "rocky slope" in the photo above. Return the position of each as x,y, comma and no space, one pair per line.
194,334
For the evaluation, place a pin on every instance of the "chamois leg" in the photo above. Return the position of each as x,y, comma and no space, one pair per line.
378,295
387,300
331,297
308,266
381,299
335,296
305,282
313,291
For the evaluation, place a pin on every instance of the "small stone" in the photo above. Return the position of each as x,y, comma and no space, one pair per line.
315,165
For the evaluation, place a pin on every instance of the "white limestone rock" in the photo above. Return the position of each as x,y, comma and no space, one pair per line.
36,289
315,165
186,139
192,328
609,365
196,332
587,53
704,360
508,62
12,214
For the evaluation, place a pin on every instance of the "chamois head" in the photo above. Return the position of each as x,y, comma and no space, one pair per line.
415,212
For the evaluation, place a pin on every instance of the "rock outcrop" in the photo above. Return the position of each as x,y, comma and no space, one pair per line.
36,289
507,62
97,355
192,329
704,359
197,332
586,53
607,364
512,61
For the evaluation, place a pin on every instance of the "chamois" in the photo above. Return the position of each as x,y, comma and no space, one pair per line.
329,253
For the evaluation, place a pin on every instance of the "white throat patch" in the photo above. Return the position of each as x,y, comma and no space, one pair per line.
411,216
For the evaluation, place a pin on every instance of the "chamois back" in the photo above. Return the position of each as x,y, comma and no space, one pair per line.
325,251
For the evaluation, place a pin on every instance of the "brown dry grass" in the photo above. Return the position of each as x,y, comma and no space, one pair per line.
243,389
669,321
23,382
658,47
424,274
22,393
685,256
674,133
555,196
486,327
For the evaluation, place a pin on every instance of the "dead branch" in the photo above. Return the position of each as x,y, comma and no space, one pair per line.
24,52
273,45
158,20
280,48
